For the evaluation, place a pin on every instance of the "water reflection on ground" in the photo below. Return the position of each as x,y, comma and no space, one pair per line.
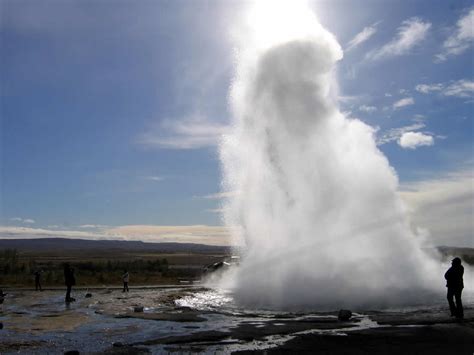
185,319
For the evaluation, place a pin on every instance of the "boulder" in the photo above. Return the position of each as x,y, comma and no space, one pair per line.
344,314
138,309
88,295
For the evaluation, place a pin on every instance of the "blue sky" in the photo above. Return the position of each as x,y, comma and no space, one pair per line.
111,110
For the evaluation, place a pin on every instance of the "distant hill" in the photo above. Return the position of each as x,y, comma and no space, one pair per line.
107,246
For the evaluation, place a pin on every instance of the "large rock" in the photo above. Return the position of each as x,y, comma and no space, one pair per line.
344,314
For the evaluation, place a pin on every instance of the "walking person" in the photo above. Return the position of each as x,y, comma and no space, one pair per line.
70,281
125,279
455,285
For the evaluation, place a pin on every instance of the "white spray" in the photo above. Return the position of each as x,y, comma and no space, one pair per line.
315,201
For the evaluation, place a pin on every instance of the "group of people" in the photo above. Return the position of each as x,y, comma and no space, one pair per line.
70,280
454,283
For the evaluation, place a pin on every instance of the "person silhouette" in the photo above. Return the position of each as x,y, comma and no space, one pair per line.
125,279
70,281
455,285
37,274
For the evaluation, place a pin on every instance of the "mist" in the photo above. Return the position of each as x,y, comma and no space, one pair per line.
316,204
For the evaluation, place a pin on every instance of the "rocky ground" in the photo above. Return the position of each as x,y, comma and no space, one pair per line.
156,320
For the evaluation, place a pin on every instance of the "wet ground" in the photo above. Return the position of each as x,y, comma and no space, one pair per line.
184,320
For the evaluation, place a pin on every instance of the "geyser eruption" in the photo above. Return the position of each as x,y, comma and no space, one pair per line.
316,202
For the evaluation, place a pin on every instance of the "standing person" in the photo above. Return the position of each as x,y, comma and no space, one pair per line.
69,280
125,279
37,274
455,285
2,296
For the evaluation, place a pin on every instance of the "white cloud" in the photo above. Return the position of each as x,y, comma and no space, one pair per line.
200,234
210,235
93,226
220,195
347,99
404,102
395,133
215,210
427,88
460,88
23,220
444,206
368,109
362,36
154,178
412,32
7,232
413,140
460,40
189,133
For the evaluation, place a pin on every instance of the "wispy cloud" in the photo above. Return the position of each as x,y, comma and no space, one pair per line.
215,210
8,232
93,226
413,140
200,234
407,101
412,32
368,109
23,220
443,205
188,133
461,88
154,178
428,88
460,40
220,195
394,134
362,36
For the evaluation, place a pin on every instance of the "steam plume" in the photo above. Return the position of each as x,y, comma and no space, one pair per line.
317,205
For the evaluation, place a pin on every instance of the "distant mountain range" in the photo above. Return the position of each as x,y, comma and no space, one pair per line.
76,245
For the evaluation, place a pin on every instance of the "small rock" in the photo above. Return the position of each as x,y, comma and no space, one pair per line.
88,295
117,344
71,352
138,309
344,314
1,325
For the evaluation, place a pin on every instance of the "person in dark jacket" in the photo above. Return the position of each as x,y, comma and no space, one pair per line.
125,279
455,285
69,280
2,296
37,274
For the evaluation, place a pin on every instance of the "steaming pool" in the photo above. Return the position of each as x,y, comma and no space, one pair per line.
186,320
